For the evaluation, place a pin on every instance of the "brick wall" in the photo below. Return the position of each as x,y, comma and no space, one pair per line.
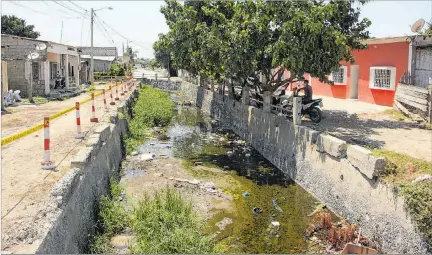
14,48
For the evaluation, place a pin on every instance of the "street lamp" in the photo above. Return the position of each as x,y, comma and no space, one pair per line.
91,50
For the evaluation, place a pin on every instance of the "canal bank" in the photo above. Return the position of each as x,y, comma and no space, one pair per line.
340,176
247,204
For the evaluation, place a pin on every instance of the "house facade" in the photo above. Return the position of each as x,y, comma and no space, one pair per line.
103,57
54,58
374,75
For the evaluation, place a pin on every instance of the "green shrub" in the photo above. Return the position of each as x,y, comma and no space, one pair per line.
418,199
153,108
167,224
117,69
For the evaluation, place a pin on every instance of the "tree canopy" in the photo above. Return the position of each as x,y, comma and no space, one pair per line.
243,40
12,25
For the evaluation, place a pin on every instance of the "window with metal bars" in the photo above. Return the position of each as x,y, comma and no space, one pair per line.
338,76
382,78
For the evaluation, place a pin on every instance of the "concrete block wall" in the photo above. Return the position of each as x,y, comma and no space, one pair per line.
14,48
18,74
342,177
71,212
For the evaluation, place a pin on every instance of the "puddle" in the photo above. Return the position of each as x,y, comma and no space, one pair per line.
270,210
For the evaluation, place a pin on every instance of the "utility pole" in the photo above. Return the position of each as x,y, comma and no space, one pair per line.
91,47
61,33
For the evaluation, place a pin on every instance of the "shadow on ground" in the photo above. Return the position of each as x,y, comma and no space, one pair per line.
355,130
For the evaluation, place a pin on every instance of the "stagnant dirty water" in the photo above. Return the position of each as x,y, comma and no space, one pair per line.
255,208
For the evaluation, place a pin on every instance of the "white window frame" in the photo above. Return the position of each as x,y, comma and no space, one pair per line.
392,77
345,74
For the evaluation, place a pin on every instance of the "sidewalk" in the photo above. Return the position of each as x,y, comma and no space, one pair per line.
371,125
25,187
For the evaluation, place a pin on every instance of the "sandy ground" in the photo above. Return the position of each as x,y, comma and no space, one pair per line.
25,186
147,177
368,125
23,116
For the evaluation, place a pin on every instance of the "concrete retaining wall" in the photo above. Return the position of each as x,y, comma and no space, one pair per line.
162,84
342,177
72,211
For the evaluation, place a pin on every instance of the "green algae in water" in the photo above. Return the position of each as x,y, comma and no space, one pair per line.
249,233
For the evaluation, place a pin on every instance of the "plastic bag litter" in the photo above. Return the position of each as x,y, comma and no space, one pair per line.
16,96
276,206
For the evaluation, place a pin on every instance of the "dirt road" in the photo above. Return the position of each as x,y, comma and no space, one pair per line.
25,186
22,117
371,125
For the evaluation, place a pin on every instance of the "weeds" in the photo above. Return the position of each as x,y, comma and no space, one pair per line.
167,224
401,170
36,99
113,219
153,108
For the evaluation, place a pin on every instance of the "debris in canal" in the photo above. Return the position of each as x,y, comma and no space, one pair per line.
276,206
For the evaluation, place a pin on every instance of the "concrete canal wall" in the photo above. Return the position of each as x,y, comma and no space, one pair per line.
341,176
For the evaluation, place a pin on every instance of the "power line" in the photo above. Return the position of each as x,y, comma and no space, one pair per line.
105,35
43,13
70,9
78,6
15,3
103,27
124,37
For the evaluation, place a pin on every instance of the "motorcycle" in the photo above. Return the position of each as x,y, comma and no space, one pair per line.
60,82
311,109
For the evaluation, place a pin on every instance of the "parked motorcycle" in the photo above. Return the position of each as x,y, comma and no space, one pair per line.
311,109
60,82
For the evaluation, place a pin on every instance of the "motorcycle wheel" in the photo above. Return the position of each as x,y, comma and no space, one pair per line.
315,114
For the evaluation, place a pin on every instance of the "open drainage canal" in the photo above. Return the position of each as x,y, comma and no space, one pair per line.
247,204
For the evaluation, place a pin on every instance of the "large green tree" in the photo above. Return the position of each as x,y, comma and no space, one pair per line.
245,40
12,25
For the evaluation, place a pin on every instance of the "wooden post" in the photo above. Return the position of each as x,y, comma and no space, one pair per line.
267,101
212,85
245,96
230,89
156,76
430,104
297,107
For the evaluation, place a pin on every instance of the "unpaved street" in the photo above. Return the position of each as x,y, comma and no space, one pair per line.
25,186
369,125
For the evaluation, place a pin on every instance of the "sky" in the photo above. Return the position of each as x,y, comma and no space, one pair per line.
140,22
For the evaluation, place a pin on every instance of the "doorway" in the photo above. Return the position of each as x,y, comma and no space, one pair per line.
354,77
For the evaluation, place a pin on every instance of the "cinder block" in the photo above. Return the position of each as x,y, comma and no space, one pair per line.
366,163
93,140
81,158
332,146
104,131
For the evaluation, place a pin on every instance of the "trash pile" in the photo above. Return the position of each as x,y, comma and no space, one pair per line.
10,97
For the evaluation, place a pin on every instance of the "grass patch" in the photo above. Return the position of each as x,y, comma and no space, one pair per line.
401,170
396,115
113,218
153,108
401,167
36,99
167,224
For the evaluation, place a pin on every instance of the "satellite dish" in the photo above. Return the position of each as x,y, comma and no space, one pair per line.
417,26
33,55
41,46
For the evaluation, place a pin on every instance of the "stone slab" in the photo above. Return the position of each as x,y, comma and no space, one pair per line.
331,145
366,163
82,157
